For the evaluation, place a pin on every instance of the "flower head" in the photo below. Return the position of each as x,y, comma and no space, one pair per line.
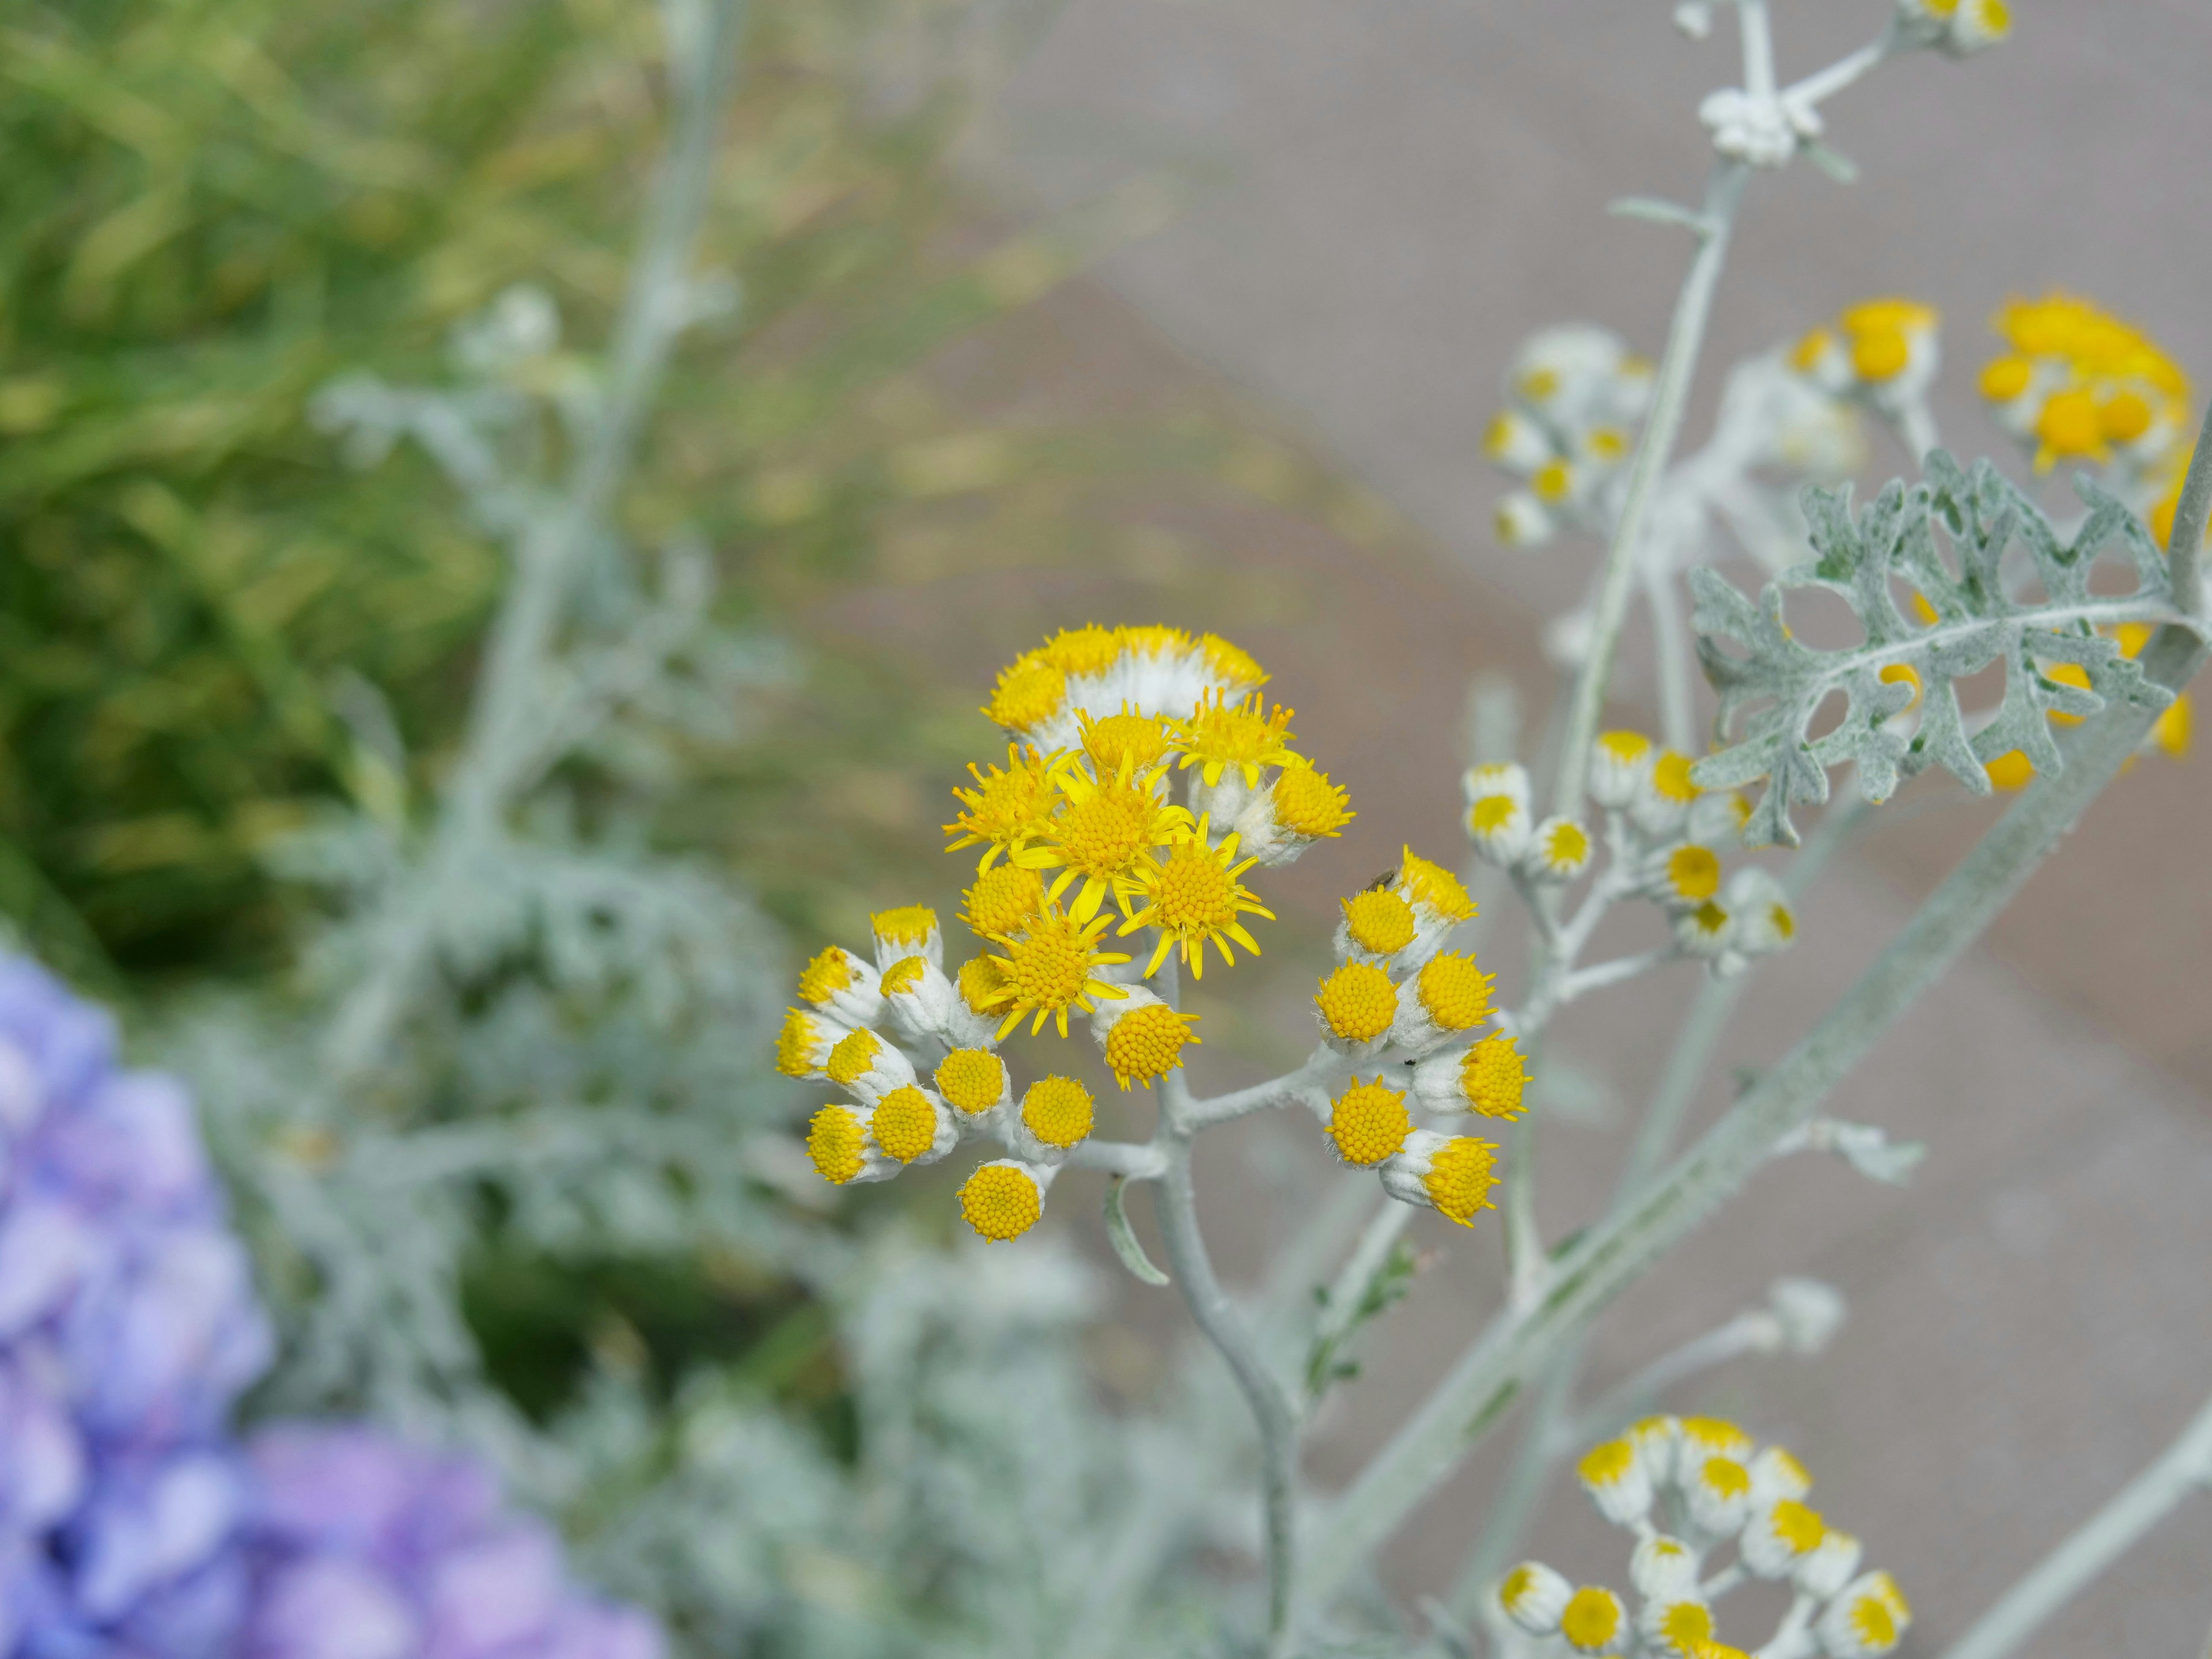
1006,807
1142,1037
1356,1005
1369,1123
1048,967
1101,835
1003,1199
1451,1174
1219,735
1057,1110
1193,896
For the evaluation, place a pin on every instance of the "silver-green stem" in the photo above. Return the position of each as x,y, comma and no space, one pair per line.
1274,1414
1677,366
496,762
1493,1372
2184,1468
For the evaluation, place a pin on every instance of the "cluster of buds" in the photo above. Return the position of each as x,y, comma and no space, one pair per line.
1396,990
1078,831
1959,28
2077,385
1693,1490
1574,400
1663,835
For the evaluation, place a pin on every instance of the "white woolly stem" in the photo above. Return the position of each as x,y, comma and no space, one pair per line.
2184,1468
1677,366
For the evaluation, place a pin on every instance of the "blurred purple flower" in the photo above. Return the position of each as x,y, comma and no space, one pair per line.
362,1547
128,1328
131,1525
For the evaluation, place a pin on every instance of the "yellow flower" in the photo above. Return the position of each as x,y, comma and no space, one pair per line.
1369,1123
1047,969
1139,739
1101,835
1357,1003
1002,899
1001,1199
1143,1038
1220,734
1057,1110
836,1143
1005,808
1029,692
1194,898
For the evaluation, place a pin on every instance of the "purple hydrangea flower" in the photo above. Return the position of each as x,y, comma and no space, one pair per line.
133,1526
363,1548
129,1327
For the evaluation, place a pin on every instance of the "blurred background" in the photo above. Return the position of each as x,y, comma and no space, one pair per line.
1186,311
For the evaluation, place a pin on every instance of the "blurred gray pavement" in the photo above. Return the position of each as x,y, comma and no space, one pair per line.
1393,194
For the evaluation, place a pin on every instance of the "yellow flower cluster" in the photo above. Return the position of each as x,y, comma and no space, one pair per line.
2077,384
1708,1479
1574,400
1079,841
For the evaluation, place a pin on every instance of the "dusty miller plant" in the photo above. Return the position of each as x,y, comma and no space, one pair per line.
1146,778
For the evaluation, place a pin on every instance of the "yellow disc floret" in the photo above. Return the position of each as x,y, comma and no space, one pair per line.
1459,1179
1607,1463
1592,1618
1000,1201
1431,887
1492,1078
1047,969
1307,804
1002,899
824,977
1146,1043
1357,1002
1693,873
1456,992
981,982
1670,777
1799,1526
1057,1110
1089,649
1102,831
908,925
971,1079
855,1052
1687,1626
1006,807
1220,734
1140,739
1029,692
2004,379
1194,898
799,1044
1369,1123
833,1142
1230,664
905,974
904,1123
1379,922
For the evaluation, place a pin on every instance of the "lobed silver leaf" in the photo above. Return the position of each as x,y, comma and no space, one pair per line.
1773,686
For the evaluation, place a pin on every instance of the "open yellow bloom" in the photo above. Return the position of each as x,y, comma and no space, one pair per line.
1006,807
1220,734
1101,835
1046,968
1193,896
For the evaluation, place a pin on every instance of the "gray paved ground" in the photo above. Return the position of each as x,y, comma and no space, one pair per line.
1398,192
